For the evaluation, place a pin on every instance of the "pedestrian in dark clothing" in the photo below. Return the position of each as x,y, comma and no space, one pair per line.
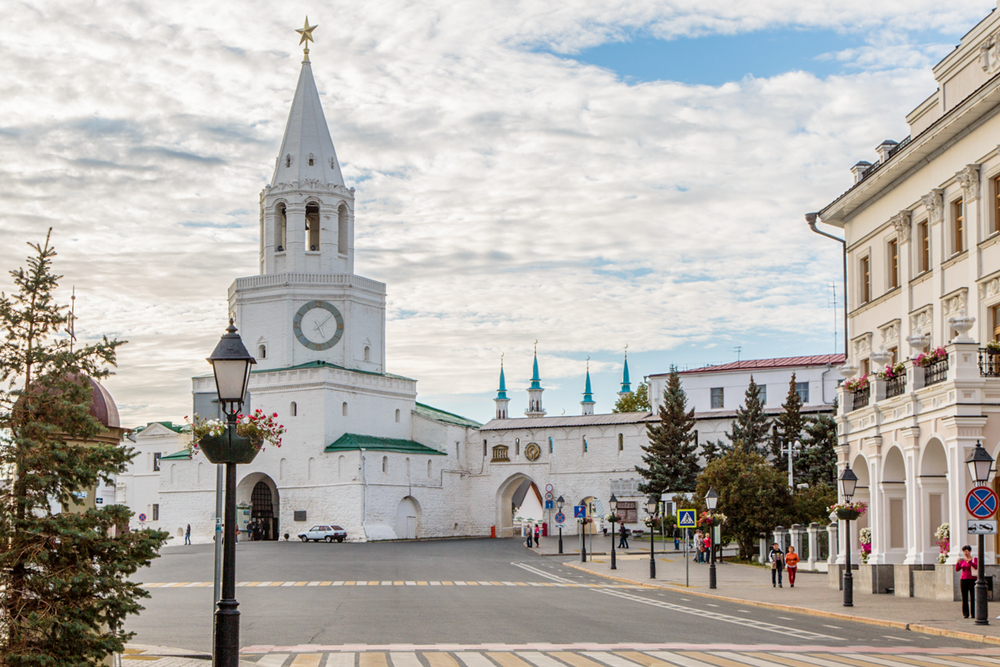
777,560
529,537
677,538
623,537
187,535
968,566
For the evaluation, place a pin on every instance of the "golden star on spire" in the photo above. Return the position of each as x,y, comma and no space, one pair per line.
307,36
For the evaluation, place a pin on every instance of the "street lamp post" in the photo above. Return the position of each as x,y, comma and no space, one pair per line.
712,500
559,505
980,465
651,505
848,483
231,366
613,504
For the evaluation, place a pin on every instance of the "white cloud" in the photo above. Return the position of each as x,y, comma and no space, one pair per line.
504,194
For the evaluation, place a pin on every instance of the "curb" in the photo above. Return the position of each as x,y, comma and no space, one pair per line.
898,625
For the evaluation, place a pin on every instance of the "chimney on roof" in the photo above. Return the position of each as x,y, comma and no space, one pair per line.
859,170
884,149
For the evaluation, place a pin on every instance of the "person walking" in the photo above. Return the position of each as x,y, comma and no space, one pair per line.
699,543
677,538
538,536
777,559
530,533
792,565
622,537
708,547
187,535
968,565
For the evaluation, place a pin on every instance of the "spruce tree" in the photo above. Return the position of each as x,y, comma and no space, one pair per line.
636,401
750,428
712,450
671,458
64,573
817,464
788,426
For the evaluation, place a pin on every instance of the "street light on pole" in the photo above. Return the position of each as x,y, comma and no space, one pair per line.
848,483
231,366
652,503
712,500
613,504
980,465
559,505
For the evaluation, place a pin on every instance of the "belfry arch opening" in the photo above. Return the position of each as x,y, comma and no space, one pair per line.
312,227
280,228
342,226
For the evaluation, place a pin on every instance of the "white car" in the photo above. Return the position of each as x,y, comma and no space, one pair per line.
328,533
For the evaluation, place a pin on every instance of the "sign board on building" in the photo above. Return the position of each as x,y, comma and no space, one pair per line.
687,518
627,511
981,502
982,527
625,488
579,511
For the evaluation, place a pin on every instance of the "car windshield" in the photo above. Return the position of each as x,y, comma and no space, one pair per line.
316,528
324,527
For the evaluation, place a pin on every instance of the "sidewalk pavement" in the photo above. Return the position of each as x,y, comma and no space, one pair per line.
811,595
137,655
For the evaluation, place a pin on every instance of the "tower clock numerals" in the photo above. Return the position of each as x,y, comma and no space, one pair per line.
318,325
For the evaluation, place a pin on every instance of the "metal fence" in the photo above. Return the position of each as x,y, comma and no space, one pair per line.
989,362
895,386
936,371
860,397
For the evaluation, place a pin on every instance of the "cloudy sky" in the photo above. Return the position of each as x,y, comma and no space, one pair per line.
587,174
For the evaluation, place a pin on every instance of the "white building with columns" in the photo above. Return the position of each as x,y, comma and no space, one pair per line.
922,226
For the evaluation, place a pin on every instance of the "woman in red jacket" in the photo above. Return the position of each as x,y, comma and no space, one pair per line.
967,565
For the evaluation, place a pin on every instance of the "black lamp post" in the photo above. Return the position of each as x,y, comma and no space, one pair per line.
848,483
712,500
559,506
980,464
231,366
613,504
651,505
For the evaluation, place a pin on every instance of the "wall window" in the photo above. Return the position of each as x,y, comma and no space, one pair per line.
550,444
865,279
293,409
429,469
923,247
763,393
995,222
262,351
958,226
621,442
343,409
368,353
280,228
517,446
894,351
584,444
717,397
865,367
385,464
156,460
802,389
342,230
397,415
312,227
893,257
156,512
484,448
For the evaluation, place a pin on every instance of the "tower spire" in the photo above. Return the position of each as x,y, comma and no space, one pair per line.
588,394
501,400
535,390
626,383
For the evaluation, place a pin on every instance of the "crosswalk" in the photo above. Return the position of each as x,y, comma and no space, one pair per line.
689,656
268,584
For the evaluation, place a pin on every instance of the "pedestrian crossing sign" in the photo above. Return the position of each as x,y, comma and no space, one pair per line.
687,519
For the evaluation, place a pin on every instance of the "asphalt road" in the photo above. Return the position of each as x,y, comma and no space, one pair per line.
439,592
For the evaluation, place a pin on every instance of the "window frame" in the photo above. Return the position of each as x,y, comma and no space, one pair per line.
924,248
799,389
721,396
864,279
958,235
892,263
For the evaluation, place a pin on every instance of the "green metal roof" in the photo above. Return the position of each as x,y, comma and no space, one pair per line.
183,455
446,417
354,441
176,428
322,364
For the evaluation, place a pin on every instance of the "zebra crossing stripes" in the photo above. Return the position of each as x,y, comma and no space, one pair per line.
294,584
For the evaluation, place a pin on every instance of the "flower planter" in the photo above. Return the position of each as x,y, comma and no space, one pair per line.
848,515
217,448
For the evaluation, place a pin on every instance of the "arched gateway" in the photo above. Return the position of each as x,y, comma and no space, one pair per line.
259,491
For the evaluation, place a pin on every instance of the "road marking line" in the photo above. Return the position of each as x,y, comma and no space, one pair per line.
447,583
642,659
398,583
439,659
339,660
405,660
751,660
609,659
575,659
287,583
858,661
300,583
771,660
276,583
470,659
963,660
713,659
314,583
539,659
460,583
307,660
435,583
325,583
807,659
900,639
878,661
411,583
374,659
273,660
835,627
507,659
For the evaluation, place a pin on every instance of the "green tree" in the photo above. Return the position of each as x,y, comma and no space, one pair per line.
671,458
711,450
636,401
750,428
64,574
817,463
811,503
787,426
752,494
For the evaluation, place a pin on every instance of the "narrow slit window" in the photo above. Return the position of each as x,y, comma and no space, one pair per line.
312,226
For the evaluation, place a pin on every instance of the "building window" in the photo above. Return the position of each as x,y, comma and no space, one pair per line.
385,464
517,446
484,448
368,353
281,228
893,264
550,444
397,415
342,234
312,226
924,246
717,397
343,409
429,470
865,279
156,460
621,442
293,409
584,444
763,393
865,367
156,512
262,351
802,389
958,227
995,226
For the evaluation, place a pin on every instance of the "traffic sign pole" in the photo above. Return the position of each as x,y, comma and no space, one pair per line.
981,504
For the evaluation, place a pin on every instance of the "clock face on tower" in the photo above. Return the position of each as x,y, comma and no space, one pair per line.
318,325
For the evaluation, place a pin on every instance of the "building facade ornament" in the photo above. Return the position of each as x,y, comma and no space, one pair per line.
968,178
954,305
989,288
932,202
921,320
989,54
862,346
890,333
901,222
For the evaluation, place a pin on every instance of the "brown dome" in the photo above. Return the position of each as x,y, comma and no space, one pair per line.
102,406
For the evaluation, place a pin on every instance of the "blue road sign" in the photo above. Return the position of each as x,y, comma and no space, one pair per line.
548,504
687,518
981,502
579,511
560,517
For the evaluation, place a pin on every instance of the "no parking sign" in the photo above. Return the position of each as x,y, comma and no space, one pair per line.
981,502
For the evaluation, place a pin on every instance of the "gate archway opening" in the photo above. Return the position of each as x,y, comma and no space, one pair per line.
408,519
260,492
510,496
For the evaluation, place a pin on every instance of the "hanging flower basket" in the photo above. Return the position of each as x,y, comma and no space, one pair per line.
217,448
848,515
847,511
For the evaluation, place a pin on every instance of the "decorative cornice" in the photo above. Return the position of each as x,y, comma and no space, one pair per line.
968,178
901,221
932,202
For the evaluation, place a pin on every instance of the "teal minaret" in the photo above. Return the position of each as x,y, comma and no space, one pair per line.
535,391
501,400
588,395
626,383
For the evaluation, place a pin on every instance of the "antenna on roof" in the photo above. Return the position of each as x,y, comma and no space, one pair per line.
738,349
72,320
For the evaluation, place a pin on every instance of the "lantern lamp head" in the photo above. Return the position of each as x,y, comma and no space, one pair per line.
559,503
848,483
652,503
712,499
980,465
231,366
613,503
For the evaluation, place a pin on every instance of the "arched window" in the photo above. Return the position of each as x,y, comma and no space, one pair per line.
484,448
517,446
311,161
584,444
312,467
283,469
280,228
429,468
368,353
312,226
342,224
385,464
200,466
288,160
293,409
341,466
262,351
397,415
550,444
407,467
621,442
343,409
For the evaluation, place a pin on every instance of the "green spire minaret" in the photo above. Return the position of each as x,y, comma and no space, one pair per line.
535,391
626,383
501,400
588,394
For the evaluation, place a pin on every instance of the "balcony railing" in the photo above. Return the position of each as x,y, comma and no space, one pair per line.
895,386
860,397
989,362
936,371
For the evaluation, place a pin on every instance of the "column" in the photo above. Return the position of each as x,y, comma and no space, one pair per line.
914,497
813,535
833,539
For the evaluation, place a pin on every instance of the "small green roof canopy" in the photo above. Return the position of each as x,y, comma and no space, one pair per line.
354,441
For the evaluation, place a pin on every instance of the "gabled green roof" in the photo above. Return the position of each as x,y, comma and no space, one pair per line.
183,455
446,417
176,428
354,441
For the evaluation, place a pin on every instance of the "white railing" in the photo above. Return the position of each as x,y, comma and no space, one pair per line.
279,279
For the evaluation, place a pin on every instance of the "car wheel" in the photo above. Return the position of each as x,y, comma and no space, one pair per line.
329,539
340,539
303,538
